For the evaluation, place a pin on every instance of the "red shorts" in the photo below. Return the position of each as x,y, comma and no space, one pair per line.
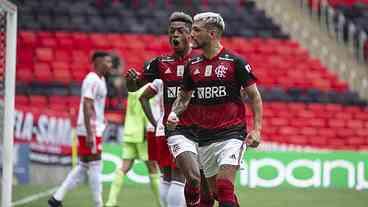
153,150
165,157
83,150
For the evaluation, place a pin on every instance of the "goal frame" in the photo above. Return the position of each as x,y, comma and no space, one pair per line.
9,111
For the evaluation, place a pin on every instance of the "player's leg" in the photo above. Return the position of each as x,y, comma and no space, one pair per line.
175,194
225,186
94,174
207,192
165,183
154,177
128,156
75,177
95,181
226,160
165,167
153,167
185,153
153,170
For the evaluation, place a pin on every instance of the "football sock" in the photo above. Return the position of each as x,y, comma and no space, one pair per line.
225,193
164,188
175,195
115,188
95,182
155,187
192,195
207,199
76,176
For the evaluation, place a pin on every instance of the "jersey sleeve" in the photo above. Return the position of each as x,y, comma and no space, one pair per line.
156,85
151,71
90,86
244,73
188,83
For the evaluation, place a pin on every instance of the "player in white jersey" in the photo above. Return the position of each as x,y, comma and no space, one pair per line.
90,126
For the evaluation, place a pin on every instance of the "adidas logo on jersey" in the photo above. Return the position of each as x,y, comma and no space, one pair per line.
196,72
167,71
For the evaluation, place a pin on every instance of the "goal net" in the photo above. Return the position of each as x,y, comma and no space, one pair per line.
8,34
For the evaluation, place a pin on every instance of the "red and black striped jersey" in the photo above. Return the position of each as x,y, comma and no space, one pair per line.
216,101
170,70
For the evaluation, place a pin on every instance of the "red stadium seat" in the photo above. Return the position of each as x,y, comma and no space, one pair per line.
62,76
38,101
44,54
78,75
21,100
63,55
42,72
28,39
25,56
48,42
24,74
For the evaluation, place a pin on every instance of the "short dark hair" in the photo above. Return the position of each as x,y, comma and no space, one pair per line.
116,62
181,17
98,54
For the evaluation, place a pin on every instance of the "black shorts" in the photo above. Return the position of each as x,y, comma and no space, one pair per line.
187,131
208,136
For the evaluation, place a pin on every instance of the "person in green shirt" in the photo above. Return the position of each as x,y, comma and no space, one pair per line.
134,147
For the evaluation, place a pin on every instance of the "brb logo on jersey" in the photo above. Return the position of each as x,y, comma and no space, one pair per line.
221,71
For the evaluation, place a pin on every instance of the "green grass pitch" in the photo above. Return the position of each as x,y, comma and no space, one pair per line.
141,196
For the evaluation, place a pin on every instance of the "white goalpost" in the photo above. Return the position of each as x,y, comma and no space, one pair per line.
9,35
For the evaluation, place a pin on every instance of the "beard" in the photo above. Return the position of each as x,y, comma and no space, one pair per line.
197,45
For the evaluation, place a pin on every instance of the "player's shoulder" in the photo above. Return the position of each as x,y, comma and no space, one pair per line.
91,77
228,55
166,58
157,82
196,60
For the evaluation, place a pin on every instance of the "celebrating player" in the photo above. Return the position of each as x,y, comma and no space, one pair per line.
214,80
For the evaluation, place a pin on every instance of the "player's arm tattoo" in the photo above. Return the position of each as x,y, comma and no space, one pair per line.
255,102
181,102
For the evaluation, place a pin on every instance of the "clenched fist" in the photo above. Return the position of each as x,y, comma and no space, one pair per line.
172,121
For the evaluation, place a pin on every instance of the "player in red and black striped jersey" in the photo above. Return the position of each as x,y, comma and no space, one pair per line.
212,93
166,74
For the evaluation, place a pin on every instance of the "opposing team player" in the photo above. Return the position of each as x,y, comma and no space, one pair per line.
90,126
211,87
134,147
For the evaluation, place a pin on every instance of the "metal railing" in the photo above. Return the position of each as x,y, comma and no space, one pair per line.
340,28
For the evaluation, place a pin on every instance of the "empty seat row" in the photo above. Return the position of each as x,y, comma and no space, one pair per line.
242,17
330,126
276,62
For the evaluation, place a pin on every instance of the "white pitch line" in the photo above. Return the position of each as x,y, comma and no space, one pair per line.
34,197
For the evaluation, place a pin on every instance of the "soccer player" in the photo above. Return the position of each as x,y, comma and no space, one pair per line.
211,86
90,126
165,74
134,147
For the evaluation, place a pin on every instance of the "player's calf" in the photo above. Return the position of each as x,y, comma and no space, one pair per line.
54,203
225,193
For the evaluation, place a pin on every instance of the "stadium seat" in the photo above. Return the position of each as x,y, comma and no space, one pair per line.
38,101
62,76
44,54
42,72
